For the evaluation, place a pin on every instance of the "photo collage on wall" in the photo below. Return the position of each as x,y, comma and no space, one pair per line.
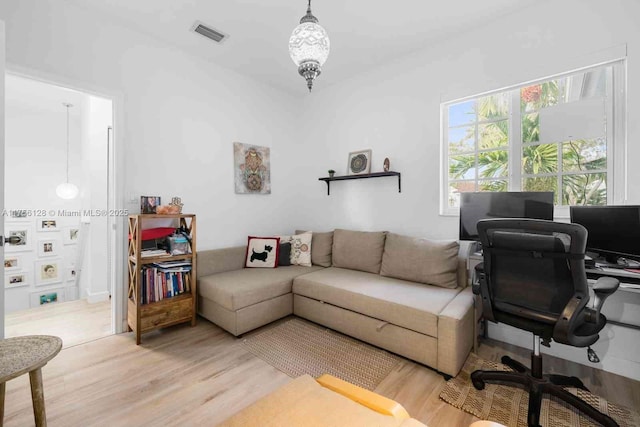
40,252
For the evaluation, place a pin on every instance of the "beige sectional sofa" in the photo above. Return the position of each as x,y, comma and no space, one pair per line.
405,294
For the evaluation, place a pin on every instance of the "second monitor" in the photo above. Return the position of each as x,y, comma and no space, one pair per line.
614,232
490,205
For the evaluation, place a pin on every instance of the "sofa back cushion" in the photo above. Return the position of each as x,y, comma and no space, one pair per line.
421,260
358,250
321,244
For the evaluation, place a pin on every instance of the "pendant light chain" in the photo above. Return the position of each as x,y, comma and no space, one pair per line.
68,106
67,190
68,142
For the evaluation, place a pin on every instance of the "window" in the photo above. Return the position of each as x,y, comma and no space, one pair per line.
554,135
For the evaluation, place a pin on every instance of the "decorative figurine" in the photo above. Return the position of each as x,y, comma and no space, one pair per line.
385,165
177,202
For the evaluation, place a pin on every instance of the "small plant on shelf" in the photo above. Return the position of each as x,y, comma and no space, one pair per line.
331,173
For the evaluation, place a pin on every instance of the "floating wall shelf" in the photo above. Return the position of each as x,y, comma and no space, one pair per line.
368,175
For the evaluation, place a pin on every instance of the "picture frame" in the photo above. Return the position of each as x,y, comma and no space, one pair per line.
148,204
359,162
12,263
41,297
18,215
71,274
47,224
48,247
17,279
70,235
24,232
48,271
251,169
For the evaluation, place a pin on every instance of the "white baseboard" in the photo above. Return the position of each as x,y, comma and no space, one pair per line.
97,297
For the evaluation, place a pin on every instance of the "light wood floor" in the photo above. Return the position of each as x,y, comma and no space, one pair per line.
184,376
75,322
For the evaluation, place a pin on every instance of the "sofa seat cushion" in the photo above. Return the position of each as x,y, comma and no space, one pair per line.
408,304
241,288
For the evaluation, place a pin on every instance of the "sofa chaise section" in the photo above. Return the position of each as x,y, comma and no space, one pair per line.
240,299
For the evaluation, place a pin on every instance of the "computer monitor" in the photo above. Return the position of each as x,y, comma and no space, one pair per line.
488,205
614,231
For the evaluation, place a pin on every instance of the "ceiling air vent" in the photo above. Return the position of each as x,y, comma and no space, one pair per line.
209,32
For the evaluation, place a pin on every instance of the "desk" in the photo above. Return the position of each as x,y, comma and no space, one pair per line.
20,355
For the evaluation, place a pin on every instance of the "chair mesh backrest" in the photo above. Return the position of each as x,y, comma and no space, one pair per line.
532,267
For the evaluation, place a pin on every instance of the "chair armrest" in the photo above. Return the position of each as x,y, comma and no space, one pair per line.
479,276
606,285
364,397
214,261
603,287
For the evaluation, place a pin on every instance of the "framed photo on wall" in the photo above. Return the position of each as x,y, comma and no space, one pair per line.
18,215
71,274
48,271
12,263
70,235
46,296
47,224
48,247
17,279
359,162
21,235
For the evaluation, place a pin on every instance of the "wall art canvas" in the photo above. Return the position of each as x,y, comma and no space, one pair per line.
359,162
252,168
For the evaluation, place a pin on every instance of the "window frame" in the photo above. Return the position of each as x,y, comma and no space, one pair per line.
615,134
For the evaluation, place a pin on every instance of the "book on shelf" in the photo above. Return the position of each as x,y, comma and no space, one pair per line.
147,253
173,264
158,284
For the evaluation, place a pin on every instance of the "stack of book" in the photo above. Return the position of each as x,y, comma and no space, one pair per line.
146,253
163,280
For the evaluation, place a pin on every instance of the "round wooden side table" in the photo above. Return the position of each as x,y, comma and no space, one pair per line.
20,355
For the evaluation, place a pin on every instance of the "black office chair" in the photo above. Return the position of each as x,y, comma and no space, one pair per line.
533,278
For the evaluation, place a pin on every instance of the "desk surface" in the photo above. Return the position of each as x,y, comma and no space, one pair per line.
628,280
20,355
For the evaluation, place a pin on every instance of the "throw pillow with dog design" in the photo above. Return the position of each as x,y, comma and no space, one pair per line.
262,252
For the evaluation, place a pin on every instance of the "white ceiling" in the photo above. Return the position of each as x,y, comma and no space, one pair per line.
363,33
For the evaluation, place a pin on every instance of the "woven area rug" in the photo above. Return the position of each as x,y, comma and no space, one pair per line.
508,405
297,347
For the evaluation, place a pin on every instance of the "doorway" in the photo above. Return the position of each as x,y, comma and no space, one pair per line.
59,270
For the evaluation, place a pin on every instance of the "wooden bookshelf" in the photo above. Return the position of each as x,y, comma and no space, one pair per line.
143,316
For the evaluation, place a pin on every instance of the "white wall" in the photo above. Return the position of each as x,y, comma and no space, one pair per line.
182,115
395,111
2,57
